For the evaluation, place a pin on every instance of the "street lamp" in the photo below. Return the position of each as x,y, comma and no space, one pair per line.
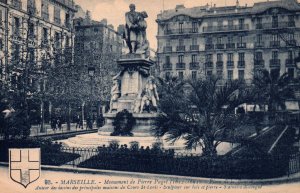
91,73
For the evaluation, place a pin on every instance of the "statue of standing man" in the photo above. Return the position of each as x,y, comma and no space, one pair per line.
135,32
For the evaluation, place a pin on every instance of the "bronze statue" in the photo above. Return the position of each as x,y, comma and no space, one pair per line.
135,32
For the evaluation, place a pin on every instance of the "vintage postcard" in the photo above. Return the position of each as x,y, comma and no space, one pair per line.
150,96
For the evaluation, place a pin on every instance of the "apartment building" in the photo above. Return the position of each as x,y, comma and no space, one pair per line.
230,42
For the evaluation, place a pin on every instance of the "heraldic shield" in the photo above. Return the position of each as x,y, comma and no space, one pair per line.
24,165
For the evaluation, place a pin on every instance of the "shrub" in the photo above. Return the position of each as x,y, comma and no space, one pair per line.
123,124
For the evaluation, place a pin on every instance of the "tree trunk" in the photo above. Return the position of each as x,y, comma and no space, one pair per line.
69,117
209,148
82,113
42,117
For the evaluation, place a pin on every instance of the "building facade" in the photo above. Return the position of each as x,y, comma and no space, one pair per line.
229,42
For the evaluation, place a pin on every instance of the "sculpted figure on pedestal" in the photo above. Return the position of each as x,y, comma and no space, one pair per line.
149,95
115,93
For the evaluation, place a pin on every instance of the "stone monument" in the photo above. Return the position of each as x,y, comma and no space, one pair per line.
133,88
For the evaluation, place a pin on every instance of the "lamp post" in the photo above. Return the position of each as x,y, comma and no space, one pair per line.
91,73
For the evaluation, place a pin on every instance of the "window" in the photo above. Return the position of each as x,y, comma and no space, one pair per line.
194,75
241,56
275,55
241,23
16,53
291,72
194,58
180,58
209,73
291,21
67,41
275,72
220,74
258,56
45,35
208,40
259,38
275,21
16,26
290,55
259,21
45,10
168,42
230,39
57,40
31,30
180,27
230,57
241,39
194,41
167,74
220,24
241,74
31,55
181,43
219,57
219,40
31,6
208,58
194,27
275,37
67,21
167,59
180,75
230,74
230,24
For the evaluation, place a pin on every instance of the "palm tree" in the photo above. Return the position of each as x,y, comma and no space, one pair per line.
272,90
203,116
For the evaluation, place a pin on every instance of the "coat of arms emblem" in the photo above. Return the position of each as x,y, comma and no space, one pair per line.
24,165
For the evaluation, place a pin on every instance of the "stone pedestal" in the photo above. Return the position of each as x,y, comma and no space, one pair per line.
133,78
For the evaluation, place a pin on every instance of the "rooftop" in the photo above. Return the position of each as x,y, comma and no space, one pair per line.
211,11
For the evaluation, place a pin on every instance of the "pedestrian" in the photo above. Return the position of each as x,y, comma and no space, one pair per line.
53,124
77,120
59,123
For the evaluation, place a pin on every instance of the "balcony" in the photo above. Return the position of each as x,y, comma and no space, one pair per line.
31,43
45,16
180,48
289,62
167,66
275,63
230,64
241,64
211,29
259,44
16,38
275,44
230,46
209,46
194,66
180,31
180,66
194,47
168,49
275,25
209,64
220,46
259,63
17,4
241,45
220,64
291,43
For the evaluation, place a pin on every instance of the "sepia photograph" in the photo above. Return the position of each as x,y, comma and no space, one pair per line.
150,96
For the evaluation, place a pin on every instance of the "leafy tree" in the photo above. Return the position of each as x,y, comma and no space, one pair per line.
202,115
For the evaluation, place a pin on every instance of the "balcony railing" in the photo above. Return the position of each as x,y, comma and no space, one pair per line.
275,63
181,31
168,49
209,64
45,16
219,46
259,44
289,62
220,64
209,46
180,66
241,45
210,29
230,46
275,44
259,63
274,25
194,47
241,64
291,43
180,48
17,4
167,66
194,66
230,64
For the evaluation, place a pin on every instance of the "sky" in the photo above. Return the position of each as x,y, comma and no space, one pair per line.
114,10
